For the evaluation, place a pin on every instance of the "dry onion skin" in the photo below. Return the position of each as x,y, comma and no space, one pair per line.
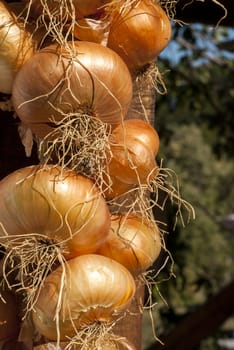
91,290
133,242
94,30
16,47
138,33
48,215
134,145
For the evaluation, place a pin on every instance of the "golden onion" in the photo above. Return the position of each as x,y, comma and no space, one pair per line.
54,206
133,242
138,33
95,80
94,289
16,47
134,145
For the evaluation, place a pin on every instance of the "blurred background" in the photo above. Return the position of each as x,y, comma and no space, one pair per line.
195,121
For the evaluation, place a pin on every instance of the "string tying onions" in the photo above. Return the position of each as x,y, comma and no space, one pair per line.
90,291
47,215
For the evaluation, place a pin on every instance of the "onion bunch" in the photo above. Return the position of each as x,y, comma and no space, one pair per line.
48,215
16,47
70,99
90,290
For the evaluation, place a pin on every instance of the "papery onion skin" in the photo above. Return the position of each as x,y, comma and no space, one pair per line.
94,30
63,207
16,47
138,33
96,81
96,290
133,242
134,146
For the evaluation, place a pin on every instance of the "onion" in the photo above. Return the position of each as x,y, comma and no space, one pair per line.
138,33
133,242
52,83
9,316
60,207
15,47
94,289
134,145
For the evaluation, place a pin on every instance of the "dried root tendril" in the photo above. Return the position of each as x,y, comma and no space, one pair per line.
151,76
144,197
58,22
78,142
96,336
27,262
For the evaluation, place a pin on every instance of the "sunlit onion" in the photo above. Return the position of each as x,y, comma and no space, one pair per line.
138,33
134,145
133,242
15,47
95,81
95,289
54,207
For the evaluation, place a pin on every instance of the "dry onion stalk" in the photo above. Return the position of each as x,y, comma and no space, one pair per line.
16,47
80,301
47,215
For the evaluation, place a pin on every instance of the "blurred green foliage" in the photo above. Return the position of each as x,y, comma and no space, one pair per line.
196,128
